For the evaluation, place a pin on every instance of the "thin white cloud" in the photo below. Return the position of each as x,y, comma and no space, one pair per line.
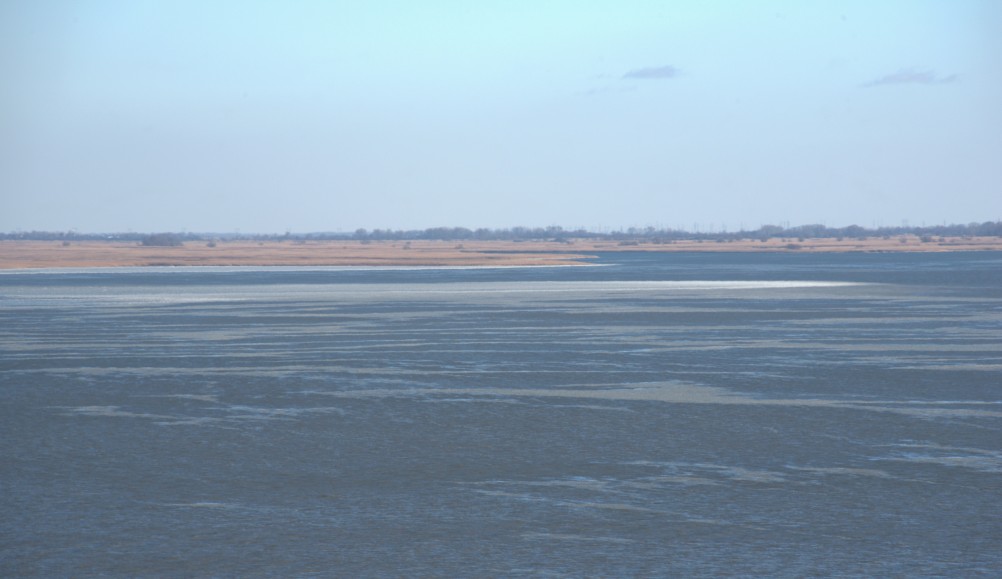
652,73
911,76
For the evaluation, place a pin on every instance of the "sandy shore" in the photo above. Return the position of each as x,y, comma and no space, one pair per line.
49,254
40,254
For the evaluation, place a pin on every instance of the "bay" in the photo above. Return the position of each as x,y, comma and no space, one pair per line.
645,415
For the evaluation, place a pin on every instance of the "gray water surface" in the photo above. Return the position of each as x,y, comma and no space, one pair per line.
659,415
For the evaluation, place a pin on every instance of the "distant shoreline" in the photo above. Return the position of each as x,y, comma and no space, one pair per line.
21,254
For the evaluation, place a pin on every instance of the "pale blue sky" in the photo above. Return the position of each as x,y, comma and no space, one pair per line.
323,116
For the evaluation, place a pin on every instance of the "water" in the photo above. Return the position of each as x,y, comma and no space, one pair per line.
653,415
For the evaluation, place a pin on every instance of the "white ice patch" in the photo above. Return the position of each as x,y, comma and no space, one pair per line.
367,292
683,393
569,537
842,471
989,461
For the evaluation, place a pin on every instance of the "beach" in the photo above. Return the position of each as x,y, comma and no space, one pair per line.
23,254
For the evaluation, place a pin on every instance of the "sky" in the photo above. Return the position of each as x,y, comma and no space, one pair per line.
311,116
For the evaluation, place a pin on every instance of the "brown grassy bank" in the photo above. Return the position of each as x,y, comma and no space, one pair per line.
42,254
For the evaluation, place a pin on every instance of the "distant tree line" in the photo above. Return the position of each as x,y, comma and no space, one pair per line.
482,234
652,234
140,238
552,233
162,240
